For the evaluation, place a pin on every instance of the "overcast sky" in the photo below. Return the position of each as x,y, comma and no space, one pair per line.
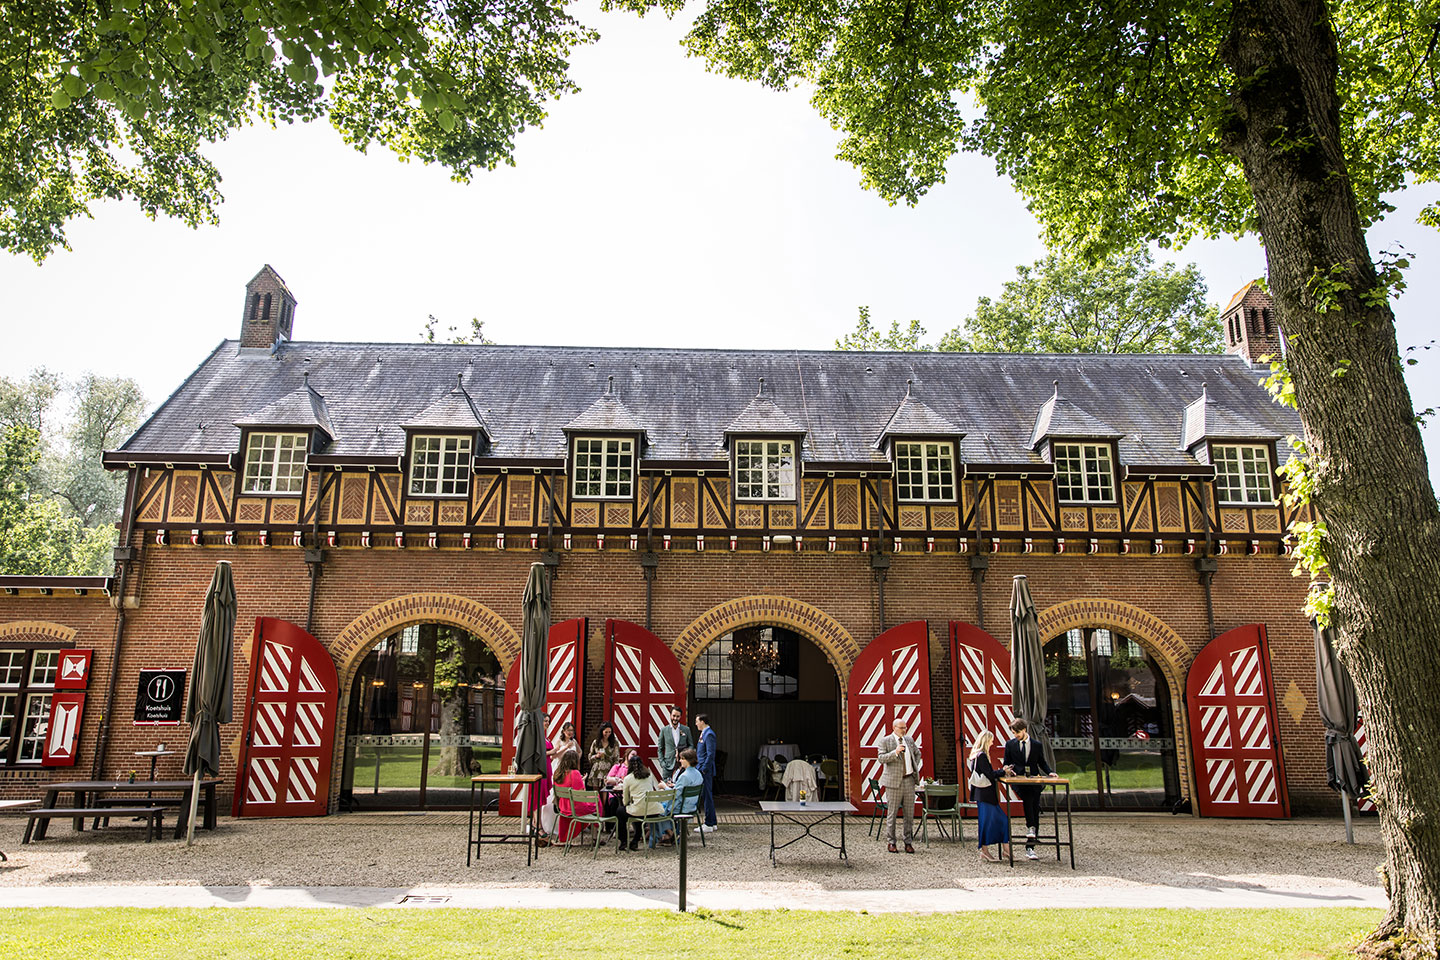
662,206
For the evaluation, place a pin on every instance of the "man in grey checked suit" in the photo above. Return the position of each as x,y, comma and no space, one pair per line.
902,771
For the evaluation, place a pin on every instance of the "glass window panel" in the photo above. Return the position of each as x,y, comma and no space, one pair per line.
1242,474
604,467
275,463
765,469
7,723
32,731
43,668
1084,473
12,667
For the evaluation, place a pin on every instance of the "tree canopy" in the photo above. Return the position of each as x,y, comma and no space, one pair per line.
116,99
1065,303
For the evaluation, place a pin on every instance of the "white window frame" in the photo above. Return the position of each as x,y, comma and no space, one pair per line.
767,474
1092,463
935,471
27,688
37,708
444,462
271,457
1243,474
593,474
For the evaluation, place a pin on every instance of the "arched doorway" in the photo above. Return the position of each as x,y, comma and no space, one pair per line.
1111,717
772,694
425,714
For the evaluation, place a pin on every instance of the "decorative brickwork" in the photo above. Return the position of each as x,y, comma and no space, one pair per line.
36,630
356,639
840,648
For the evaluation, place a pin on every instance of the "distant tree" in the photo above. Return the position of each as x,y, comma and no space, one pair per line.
1121,304
452,333
116,99
105,412
866,337
37,535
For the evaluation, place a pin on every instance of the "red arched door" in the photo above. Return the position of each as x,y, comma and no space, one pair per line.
284,770
1230,697
890,679
980,678
643,680
564,695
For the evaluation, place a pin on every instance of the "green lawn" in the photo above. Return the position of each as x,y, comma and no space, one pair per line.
400,767
451,934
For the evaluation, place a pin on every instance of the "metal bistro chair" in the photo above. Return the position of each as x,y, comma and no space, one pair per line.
596,819
875,793
561,793
694,792
661,797
935,808
831,770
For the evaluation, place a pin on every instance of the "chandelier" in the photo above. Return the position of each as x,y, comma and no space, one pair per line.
752,653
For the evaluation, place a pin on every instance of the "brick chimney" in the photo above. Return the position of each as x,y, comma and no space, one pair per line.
269,310
1251,328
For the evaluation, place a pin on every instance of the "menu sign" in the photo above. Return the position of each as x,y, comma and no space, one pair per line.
161,699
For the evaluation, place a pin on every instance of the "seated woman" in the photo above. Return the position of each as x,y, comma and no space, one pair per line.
687,777
610,790
638,785
566,775
994,826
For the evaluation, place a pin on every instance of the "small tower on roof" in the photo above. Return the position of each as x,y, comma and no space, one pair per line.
269,310
1251,327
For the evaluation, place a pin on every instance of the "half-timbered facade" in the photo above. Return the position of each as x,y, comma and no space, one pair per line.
858,515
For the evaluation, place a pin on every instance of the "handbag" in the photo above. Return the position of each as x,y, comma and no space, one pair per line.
977,779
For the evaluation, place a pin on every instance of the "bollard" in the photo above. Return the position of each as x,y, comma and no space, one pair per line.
683,831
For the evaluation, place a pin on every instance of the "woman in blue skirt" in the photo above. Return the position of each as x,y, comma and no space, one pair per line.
985,794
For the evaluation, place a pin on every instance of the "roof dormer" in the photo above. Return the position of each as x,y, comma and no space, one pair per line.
762,417
915,418
609,414
454,412
1062,417
304,408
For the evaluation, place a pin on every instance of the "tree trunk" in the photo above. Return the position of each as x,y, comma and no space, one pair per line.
455,754
1372,484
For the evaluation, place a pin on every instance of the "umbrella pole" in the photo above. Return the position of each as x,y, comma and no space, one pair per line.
195,806
1349,827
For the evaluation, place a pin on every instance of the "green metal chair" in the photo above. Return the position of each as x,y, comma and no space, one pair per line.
561,793
583,820
941,803
661,797
875,793
831,770
696,792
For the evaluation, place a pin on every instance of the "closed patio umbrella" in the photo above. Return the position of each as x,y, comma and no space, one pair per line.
534,667
1028,692
212,684
1340,709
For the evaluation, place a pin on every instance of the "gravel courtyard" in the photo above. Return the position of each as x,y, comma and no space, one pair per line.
390,850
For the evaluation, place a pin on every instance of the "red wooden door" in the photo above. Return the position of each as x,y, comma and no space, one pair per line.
289,725
980,678
1363,803
643,680
890,679
1230,697
564,695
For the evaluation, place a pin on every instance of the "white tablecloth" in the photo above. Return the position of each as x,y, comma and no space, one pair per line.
789,751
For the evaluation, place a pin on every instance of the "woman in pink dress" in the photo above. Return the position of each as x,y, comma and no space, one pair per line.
566,775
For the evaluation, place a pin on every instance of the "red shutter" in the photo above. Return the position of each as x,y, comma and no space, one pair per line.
564,695
1363,803
1231,701
289,725
643,680
890,679
67,708
73,671
980,677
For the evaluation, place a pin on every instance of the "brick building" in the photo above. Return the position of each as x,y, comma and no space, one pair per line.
800,543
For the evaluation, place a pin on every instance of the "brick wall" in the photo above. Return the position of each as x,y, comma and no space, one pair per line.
839,589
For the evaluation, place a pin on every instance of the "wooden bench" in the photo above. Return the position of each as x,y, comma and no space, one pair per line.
154,817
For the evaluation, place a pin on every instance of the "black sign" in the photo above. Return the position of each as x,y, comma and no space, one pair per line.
162,696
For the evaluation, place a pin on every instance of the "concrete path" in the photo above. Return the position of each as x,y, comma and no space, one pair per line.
876,901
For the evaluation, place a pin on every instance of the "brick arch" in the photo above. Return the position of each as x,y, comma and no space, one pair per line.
353,642
1171,652
810,621
37,628
383,619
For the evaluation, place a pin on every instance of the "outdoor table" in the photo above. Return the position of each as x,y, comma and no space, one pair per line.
14,805
84,789
815,813
1043,840
529,815
790,751
154,755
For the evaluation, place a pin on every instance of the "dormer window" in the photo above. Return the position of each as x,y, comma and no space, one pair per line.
1242,474
604,468
765,469
275,463
924,471
440,466
1084,473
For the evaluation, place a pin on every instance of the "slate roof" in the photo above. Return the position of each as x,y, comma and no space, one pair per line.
1060,416
606,415
303,407
453,411
762,416
915,418
685,399
1204,418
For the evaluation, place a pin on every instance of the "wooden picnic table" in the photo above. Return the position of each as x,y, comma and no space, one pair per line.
92,790
14,805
